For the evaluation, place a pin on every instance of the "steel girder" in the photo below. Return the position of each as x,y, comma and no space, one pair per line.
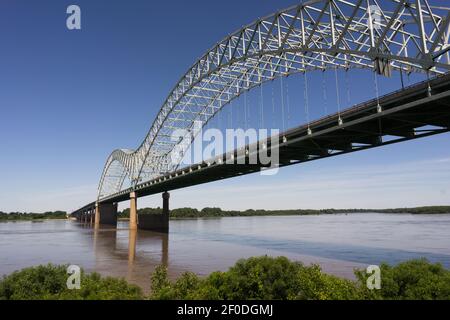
412,36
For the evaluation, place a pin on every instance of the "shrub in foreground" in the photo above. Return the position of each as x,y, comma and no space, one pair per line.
253,278
49,283
256,278
279,278
411,280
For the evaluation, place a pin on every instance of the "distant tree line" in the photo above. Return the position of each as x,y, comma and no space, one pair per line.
213,212
218,212
32,216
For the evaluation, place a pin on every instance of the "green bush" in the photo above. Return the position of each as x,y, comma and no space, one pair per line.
256,278
49,283
279,278
315,285
410,280
185,287
253,278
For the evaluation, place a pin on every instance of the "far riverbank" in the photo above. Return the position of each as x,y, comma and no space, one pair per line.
182,213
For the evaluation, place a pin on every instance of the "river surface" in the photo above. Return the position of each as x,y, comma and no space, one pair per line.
338,243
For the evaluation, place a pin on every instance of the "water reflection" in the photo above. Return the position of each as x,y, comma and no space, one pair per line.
338,243
141,250
132,234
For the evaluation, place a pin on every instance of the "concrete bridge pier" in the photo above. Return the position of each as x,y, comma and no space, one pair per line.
97,216
133,211
105,213
157,222
86,216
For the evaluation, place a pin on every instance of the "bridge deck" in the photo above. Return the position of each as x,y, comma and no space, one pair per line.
407,114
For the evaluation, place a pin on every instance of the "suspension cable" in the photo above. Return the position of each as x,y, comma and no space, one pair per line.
429,84
401,77
282,102
230,118
347,87
288,105
245,110
306,98
261,106
273,107
324,92
219,118
249,108
377,94
338,96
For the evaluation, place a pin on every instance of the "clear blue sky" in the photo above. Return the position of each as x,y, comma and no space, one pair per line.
68,98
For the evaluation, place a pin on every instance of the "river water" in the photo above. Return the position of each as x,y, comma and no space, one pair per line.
338,243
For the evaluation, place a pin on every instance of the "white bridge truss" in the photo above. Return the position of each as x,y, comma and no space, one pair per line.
381,35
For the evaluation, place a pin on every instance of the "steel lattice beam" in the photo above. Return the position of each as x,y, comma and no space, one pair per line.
412,36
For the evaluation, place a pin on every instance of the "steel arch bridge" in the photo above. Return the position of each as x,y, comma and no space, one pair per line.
380,35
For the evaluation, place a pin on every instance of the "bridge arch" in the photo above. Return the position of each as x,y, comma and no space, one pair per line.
412,36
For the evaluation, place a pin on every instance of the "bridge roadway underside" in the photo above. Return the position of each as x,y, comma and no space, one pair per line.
407,114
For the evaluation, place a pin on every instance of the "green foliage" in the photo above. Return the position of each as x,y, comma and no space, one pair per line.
253,278
279,278
184,288
184,213
410,280
261,278
160,281
211,212
217,212
13,216
315,285
123,214
49,283
257,278
419,210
